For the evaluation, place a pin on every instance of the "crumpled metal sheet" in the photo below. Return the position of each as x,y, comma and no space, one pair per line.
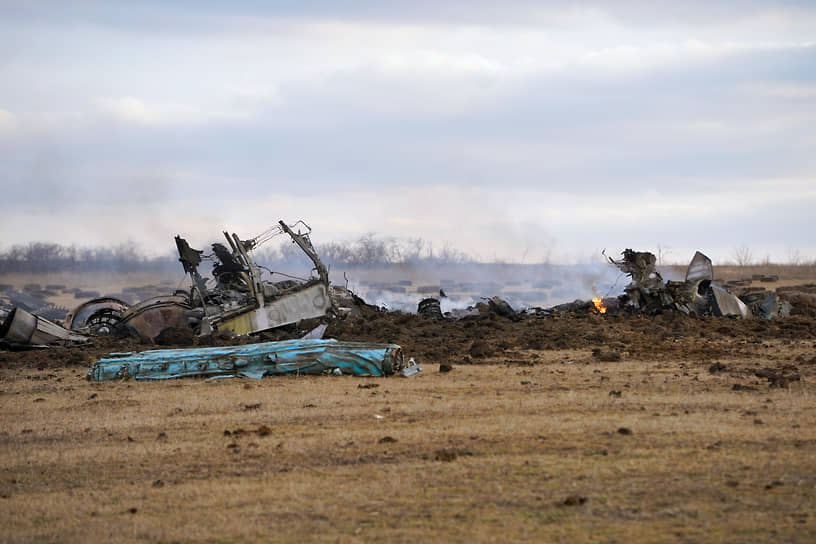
725,304
700,268
150,317
773,306
253,361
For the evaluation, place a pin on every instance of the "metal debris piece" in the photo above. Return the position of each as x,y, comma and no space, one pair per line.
23,328
253,361
345,302
700,268
501,307
316,333
150,317
698,295
429,308
725,304
773,307
411,369
99,316
641,266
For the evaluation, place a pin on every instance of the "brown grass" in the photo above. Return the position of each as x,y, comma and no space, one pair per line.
483,453
788,273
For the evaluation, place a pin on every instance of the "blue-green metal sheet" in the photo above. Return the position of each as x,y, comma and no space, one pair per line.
252,361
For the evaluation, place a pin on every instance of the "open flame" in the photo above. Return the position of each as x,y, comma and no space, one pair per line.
599,305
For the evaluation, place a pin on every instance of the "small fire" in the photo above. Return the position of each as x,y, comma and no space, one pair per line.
599,305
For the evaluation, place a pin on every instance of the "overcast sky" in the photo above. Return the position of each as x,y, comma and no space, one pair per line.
514,130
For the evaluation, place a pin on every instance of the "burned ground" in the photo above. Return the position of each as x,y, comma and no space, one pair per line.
578,427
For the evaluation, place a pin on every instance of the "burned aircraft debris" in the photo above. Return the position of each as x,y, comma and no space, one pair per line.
241,301
23,328
647,293
429,308
99,316
238,300
304,356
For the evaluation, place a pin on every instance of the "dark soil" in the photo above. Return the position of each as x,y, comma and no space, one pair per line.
497,339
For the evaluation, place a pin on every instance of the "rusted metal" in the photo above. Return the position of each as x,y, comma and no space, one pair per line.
150,317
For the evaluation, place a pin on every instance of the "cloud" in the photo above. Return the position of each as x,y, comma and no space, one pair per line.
513,118
488,223
132,110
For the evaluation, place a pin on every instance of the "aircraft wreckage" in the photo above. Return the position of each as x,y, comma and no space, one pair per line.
237,301
698,294
646,294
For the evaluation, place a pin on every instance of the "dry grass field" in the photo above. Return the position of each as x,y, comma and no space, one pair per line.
575,429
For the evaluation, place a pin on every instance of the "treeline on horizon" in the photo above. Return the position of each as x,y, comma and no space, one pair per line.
368,250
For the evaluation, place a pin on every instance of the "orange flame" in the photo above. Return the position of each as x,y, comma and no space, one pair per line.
599,305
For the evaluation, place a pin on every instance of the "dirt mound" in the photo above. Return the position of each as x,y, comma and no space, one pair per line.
492,338
804,304
176,336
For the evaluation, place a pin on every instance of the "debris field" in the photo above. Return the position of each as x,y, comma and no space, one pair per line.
664,418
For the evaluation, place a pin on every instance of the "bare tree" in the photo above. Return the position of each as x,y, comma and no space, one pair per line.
662,253
742,255
794,256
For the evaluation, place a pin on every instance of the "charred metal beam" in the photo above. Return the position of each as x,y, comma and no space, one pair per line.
305,244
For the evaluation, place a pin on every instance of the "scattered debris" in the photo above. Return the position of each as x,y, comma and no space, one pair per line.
780,377
263,430
574,500
647,293
445,455
606,356
717,367
411,369
429,308
501,307
740,387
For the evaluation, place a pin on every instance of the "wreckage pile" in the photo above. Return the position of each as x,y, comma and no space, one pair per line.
237,301
699,295
646,294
